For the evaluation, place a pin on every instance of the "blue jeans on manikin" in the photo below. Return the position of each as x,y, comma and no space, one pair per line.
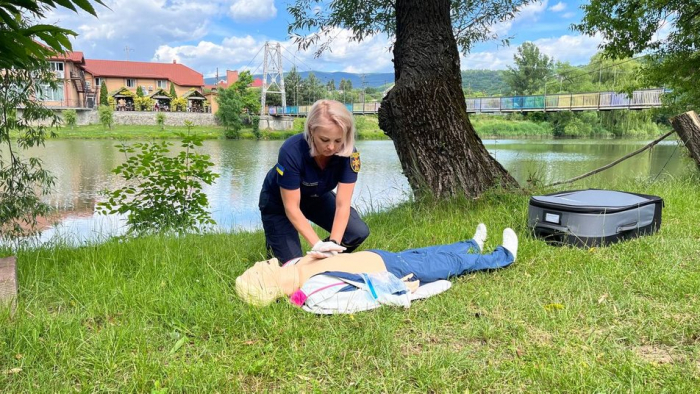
443,261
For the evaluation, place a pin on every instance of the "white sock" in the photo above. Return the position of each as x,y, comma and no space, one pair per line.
480,236
510,242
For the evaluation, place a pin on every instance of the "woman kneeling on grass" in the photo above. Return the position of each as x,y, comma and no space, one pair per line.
266,281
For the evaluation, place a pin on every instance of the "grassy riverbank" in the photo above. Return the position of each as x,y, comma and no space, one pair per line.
367,128
161,313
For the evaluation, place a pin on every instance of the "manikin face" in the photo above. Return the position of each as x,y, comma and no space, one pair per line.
259,284
328,139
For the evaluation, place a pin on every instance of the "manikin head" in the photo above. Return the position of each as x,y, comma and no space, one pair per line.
260,284
330,129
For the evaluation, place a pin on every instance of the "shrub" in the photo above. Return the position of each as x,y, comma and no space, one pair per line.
139,91
106,116
255,120
178,104
163,192
160,120
104,97
70,117
111,102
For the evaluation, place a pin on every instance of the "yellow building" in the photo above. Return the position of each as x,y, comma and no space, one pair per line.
80,79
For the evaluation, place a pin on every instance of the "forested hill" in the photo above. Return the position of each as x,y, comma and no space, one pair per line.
489,82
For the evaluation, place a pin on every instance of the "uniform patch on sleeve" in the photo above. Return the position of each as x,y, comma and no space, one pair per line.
280,169
355,161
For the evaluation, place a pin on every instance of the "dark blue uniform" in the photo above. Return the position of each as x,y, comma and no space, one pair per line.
296,169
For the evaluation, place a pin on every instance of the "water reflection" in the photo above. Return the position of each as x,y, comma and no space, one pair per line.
83,169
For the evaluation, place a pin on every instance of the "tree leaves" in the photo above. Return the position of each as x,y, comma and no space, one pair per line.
315,22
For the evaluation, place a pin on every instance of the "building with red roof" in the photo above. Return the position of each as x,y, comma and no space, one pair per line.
80,79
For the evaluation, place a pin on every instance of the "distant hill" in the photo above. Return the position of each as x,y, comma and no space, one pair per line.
489,82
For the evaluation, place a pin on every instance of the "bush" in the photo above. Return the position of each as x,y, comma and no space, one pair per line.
70,117
111,102
163,192
178,104
143,103
160,120
106,116
255,120
104,96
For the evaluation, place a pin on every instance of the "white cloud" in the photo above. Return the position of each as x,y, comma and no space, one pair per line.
140,24
527,14
568,15
575,49
251,11
560,6
232,53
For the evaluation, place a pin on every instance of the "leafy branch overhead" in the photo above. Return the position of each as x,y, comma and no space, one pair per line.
665,31
19,47
316,23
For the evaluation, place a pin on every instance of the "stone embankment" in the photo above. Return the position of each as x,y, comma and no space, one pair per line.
87,116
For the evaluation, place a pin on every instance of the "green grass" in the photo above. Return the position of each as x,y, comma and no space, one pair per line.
492,126
158,312
367,128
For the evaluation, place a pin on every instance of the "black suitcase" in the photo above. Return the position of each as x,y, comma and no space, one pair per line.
593,217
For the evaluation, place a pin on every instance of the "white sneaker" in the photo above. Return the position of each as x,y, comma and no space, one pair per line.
510,242
480,236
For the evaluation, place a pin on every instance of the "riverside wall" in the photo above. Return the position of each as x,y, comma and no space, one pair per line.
87,116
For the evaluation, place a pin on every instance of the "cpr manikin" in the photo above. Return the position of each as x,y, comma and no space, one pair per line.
266,281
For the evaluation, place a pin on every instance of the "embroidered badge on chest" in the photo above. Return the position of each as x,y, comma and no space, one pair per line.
355,161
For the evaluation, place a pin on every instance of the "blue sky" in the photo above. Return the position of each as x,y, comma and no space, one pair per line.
229,34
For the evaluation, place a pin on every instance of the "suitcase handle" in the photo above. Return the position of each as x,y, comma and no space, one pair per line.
627,227
550,226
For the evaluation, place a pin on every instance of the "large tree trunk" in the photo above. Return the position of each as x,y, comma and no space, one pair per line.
425,114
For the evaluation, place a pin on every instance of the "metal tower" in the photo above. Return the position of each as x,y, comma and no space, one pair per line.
272,68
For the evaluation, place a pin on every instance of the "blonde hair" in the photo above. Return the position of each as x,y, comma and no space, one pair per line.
252,287
324,112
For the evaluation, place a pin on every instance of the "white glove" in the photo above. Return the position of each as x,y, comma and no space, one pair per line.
328,246
319,255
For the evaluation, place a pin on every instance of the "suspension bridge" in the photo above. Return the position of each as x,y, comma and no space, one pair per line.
273,83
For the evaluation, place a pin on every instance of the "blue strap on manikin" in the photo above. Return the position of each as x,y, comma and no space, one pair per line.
371,286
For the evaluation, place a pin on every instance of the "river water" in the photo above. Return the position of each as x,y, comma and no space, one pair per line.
82,170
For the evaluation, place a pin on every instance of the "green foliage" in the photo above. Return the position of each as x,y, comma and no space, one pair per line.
139,91
23,181
20,46
178,104
173,94
160,119
106,116
531,69
111,102
472,21
631,27
163,192
311,89
104,94
70,117
230,110
144,103
255,120
292,85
